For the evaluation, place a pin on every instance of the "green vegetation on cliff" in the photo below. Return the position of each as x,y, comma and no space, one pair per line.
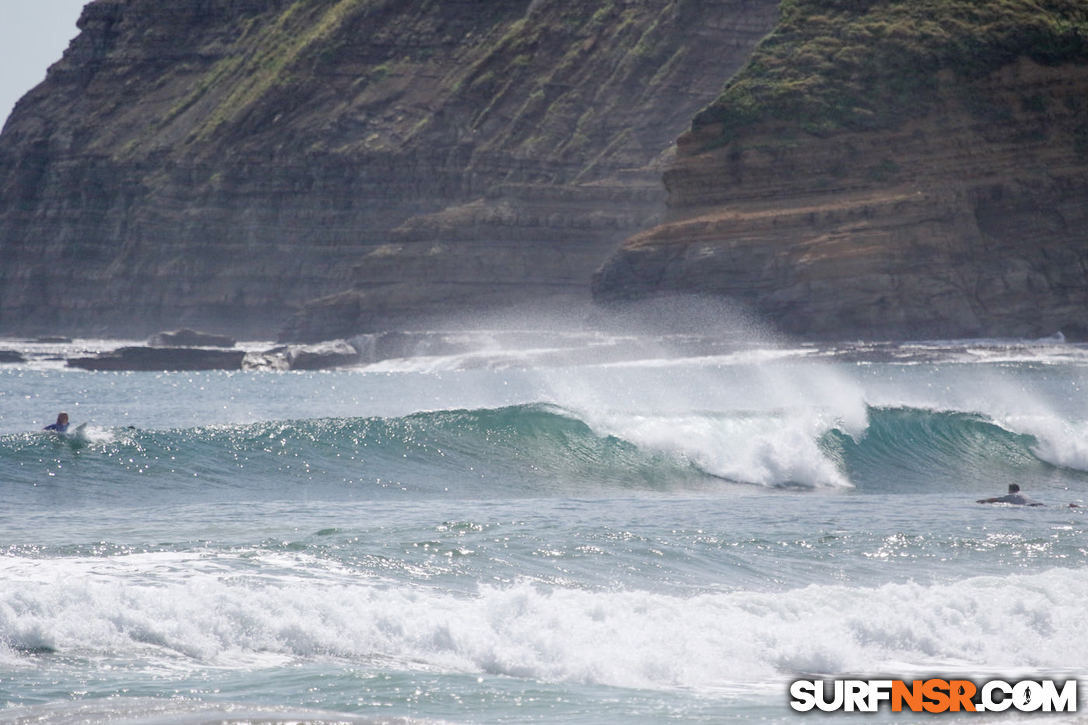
834,65
519,69
224,163
269,53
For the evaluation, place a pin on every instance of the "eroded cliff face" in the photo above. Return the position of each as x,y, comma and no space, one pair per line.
224,163
967,216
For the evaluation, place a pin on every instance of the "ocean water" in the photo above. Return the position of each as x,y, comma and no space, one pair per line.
575,528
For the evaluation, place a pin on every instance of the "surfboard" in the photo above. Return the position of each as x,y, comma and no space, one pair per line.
75,436
72,432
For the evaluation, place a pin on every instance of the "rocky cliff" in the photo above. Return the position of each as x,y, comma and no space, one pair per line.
888,169
354,163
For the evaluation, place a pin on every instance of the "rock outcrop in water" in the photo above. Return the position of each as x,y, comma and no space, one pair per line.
225,163
886,170
189,338
161,358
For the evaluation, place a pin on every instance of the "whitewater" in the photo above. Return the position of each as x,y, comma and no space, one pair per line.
545,526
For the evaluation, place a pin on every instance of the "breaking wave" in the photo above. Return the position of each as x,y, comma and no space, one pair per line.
535,449
191,614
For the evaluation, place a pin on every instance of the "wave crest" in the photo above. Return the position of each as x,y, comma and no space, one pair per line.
536,449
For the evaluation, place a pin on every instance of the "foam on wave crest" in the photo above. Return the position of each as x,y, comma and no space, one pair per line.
766,449
1059,442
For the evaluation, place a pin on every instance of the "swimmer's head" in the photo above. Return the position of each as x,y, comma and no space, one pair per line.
1014,488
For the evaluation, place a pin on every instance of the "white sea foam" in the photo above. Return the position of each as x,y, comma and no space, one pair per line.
479,359
94,434
1059,442
768,450
746,356
758,423
632,639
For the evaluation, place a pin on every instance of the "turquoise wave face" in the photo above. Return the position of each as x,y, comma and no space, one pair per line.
910,449
524,450
519,450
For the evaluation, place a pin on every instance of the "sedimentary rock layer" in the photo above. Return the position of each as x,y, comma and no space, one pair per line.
962,214
221,163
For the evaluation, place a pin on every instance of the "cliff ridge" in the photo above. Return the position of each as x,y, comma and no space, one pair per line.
231,164
887,170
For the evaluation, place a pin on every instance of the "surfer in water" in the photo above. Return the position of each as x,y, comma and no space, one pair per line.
1013,496
61,426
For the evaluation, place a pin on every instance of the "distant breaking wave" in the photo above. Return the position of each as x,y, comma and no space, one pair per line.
911,448
532,450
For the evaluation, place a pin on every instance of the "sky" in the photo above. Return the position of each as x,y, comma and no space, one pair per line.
33,36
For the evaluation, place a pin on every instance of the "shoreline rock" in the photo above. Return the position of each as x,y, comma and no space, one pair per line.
166,359
186,337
